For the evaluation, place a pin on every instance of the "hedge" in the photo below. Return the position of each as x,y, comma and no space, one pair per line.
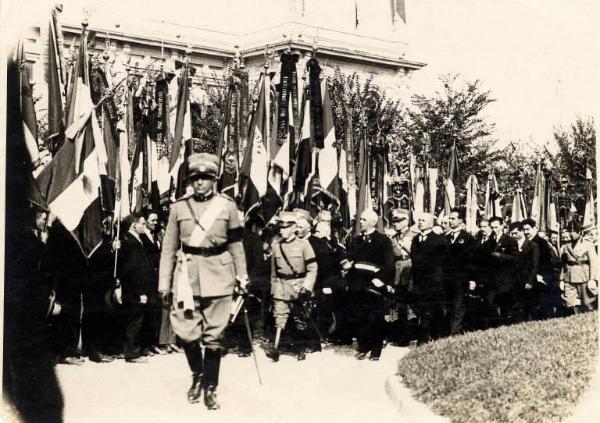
531,372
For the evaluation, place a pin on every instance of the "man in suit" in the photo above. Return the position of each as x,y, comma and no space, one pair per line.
500,295
527,268
204,239
546,291
152,319
370,267
428,252
136,276
457,269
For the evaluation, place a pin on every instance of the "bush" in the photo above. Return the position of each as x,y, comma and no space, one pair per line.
531,372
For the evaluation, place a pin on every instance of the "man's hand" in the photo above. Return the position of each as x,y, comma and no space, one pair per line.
472,285
118,295
327,291
143,299
347,265
528,286
378,283
593,286
116,245
561,285
243,282
56,309
44,236
166,298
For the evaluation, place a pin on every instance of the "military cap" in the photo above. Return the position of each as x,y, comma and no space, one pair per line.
287,219
400,214
203,164
303,214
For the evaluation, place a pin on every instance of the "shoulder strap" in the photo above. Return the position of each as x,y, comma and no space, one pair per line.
208,235
285,258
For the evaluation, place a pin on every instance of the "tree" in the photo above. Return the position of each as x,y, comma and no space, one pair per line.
453,114
576,152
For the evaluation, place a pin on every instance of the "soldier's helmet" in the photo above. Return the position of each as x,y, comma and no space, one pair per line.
398,215
286,219
203,165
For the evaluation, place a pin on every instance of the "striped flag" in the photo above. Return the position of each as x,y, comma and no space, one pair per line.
347,175
364,185
54,75
472,207
27,108
519,209
492,198
304,156
328,155
71,181
451,181
589,216
537,204
182,137
256,162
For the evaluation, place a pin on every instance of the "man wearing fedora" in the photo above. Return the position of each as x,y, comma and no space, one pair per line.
202,255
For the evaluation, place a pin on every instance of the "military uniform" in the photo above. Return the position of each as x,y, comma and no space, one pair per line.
201,256
293,274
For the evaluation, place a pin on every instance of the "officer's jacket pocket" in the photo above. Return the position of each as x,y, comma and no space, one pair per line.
226,258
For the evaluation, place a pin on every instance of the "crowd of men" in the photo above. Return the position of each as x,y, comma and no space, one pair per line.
302,284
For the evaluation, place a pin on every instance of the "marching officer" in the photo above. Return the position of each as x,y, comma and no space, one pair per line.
293,275
202,254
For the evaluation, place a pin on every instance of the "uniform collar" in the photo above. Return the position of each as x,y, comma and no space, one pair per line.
204,197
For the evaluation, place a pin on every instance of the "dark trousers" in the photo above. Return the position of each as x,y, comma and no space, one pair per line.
370,313
94,324
429,308
134,318
455,288
66,326
151,325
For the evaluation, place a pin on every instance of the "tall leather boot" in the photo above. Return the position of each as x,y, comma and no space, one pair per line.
193,354
273,354
212,364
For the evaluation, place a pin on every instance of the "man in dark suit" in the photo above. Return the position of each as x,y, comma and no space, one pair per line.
428,251
527,268
136,275
152,318
500,295
457,269
370,267
546,287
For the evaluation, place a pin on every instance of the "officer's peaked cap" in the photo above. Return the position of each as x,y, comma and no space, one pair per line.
203,164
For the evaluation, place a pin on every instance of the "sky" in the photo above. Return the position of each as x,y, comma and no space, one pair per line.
539,58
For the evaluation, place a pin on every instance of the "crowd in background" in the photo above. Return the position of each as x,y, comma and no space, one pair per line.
413,283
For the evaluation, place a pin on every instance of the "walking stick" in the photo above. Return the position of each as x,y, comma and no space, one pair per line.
249,333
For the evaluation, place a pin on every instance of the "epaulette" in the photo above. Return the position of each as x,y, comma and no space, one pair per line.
185,197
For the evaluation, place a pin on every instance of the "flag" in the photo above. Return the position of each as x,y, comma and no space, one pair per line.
182,137
21,187
398,9
364,186
472,207
304,160
328,154
122,197
71,181
54,75
226,147
451,181
256,162
589,216
347,175
519,209
492,198
27,109
537,204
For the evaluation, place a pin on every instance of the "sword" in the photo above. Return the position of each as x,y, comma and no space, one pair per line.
249,333
312,323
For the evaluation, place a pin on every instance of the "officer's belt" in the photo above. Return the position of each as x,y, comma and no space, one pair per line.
367,266
204,251
289,277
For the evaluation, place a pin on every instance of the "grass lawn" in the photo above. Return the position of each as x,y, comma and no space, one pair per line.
531,372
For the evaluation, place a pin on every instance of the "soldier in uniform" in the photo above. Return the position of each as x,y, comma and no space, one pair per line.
202,254
401,238
293,275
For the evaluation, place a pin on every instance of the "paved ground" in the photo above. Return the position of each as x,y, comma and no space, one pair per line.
330,386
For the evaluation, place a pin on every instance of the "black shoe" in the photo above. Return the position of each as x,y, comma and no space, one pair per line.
360,355
100,358
137,360
374,358
301,354
273,354
195,391
244,354
210,398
